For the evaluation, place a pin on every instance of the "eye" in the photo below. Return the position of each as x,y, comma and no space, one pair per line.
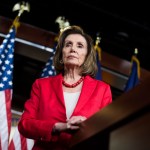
68,44
80,46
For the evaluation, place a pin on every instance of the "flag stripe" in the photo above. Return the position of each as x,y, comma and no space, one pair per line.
30,144
4,131
23,143
19,142
16,140
8,94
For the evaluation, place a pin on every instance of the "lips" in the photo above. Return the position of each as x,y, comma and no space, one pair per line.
71,56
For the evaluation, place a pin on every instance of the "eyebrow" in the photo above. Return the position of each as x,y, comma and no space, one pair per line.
79,42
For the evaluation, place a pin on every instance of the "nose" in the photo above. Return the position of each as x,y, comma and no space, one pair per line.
73,49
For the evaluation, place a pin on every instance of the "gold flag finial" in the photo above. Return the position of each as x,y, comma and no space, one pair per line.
21,7
96,47
98,38
63,23
136,51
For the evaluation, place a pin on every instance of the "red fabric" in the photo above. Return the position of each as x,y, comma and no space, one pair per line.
23,143
11,146
5,117
8,97
46,106
18,142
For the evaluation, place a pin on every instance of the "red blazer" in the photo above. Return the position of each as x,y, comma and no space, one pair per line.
46,107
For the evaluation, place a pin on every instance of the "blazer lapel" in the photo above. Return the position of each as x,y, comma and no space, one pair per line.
57,87
86,92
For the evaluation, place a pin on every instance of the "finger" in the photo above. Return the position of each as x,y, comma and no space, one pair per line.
76,123
68,125
74,127
83,118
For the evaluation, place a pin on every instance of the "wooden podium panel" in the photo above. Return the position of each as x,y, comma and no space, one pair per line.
125,110
132,136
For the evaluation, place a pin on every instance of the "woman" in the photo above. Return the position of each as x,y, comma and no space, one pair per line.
60,103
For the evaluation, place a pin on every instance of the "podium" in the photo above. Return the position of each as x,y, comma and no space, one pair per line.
123,124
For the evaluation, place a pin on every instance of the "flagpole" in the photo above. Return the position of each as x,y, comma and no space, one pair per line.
134,58
98,57
97,48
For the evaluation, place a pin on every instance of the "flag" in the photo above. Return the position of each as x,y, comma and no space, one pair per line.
6,85
98,60
19,142
49,69
134,76
6,91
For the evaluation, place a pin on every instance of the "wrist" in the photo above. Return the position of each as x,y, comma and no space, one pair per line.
55,131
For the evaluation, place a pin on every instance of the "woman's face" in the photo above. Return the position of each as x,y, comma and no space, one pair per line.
74,50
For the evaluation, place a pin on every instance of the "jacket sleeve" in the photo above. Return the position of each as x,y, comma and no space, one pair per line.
107,96
29,125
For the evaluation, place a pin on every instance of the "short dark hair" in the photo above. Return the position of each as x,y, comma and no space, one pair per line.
89,66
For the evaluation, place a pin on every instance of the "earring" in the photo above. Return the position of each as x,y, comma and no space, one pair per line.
61,61
84,65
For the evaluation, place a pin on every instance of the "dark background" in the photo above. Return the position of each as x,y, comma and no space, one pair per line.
123,26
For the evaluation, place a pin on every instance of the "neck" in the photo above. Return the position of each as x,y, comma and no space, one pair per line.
72,73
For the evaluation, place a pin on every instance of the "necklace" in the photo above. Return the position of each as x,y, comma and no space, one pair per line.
74,84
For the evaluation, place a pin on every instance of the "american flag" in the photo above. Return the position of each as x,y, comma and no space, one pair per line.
49,69
17,142
6,85
6,91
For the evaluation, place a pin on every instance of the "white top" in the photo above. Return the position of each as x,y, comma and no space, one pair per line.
71,100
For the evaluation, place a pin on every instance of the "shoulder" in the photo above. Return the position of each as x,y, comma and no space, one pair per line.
47,80
98,82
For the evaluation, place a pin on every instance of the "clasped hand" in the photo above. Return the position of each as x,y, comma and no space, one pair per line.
74,122
71,125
